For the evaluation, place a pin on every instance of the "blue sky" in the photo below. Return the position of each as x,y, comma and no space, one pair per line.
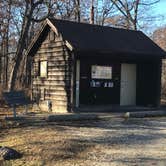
160,9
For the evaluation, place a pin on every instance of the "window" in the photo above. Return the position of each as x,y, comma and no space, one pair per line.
43,69
101,72
52,36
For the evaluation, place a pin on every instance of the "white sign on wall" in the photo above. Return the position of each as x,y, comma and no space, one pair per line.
101,72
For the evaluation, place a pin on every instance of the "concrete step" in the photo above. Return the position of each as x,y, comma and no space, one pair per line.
144,114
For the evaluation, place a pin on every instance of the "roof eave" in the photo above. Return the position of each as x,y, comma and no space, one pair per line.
47,22
161,55
67,43
36,38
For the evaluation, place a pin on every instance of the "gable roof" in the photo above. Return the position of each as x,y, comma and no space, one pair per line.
102,39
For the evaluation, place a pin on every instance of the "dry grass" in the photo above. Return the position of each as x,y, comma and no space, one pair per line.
42,145
94,143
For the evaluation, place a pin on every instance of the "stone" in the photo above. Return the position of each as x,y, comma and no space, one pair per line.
127,115
8,153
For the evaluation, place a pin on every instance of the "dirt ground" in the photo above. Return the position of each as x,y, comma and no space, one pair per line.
113,142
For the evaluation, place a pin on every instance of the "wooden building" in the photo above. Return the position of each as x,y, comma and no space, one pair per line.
77,64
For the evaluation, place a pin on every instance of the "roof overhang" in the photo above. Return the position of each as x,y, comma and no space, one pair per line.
118,54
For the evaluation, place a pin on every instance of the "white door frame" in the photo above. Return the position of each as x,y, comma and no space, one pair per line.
77,83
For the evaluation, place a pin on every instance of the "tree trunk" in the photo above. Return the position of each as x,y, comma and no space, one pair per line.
77,10
30,7
92,12
20,50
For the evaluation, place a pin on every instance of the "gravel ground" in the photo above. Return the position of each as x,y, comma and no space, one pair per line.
115,142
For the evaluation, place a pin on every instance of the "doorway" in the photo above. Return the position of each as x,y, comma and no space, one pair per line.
128,85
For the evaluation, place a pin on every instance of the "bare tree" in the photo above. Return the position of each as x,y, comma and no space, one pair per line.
77,10
92,12
68,10
159,36
104,11
5,18
29,15
130,10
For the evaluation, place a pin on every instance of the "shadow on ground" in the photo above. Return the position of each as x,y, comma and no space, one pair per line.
91,141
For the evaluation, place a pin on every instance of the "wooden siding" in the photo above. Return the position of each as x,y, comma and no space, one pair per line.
57,85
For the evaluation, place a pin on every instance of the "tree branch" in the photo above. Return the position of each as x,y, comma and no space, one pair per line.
148,4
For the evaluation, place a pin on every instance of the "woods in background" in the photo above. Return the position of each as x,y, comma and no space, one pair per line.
19,21
159,36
